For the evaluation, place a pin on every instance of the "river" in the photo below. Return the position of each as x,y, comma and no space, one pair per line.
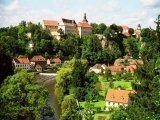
49,82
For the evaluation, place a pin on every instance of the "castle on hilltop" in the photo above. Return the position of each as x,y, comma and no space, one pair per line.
68,26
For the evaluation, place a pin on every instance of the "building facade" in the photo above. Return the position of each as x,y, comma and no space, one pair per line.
52,25
68,26
84,28
116,98
21,63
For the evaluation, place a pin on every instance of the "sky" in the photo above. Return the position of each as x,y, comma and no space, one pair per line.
120,12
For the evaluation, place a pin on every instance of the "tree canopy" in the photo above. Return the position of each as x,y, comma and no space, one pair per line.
21,98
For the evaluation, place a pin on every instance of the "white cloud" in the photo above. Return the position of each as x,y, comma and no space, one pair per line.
108,12
151,3
12,7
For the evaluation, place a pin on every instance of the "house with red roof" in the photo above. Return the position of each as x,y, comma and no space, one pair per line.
115,69
116,98
38,60
21,63
84,28
54,61
52,25
68,26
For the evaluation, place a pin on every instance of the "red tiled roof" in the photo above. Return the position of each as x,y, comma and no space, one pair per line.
131,68
50,22
37,58
56,60
85,25
118,96
118,68
23,60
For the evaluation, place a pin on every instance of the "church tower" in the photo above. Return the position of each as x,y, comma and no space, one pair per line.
138,31
139,27
85,19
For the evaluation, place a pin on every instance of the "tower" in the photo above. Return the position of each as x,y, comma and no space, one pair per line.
85,19
139,27
138,31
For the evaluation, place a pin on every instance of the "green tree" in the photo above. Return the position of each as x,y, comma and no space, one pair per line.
119,114
88,112
131,31
107,74
70,110
95,29
21,98
131,47
115,37
145,103
6,63
91,49
102,27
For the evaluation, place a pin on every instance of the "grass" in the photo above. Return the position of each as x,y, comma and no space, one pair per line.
124,84
102,116
102,87
99,104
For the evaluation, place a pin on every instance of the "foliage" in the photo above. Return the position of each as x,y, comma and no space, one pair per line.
88,112
119,114
98,29
73,78
131,47
107,74
115,37
91,49
20,98
70,109
145,103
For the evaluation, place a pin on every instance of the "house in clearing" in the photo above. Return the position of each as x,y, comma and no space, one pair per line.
116,98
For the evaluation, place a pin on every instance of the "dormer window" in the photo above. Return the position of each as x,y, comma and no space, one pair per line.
112,96
122,98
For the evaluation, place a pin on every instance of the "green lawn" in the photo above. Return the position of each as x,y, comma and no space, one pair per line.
101,113
99,104
124,84
101,116
103,86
